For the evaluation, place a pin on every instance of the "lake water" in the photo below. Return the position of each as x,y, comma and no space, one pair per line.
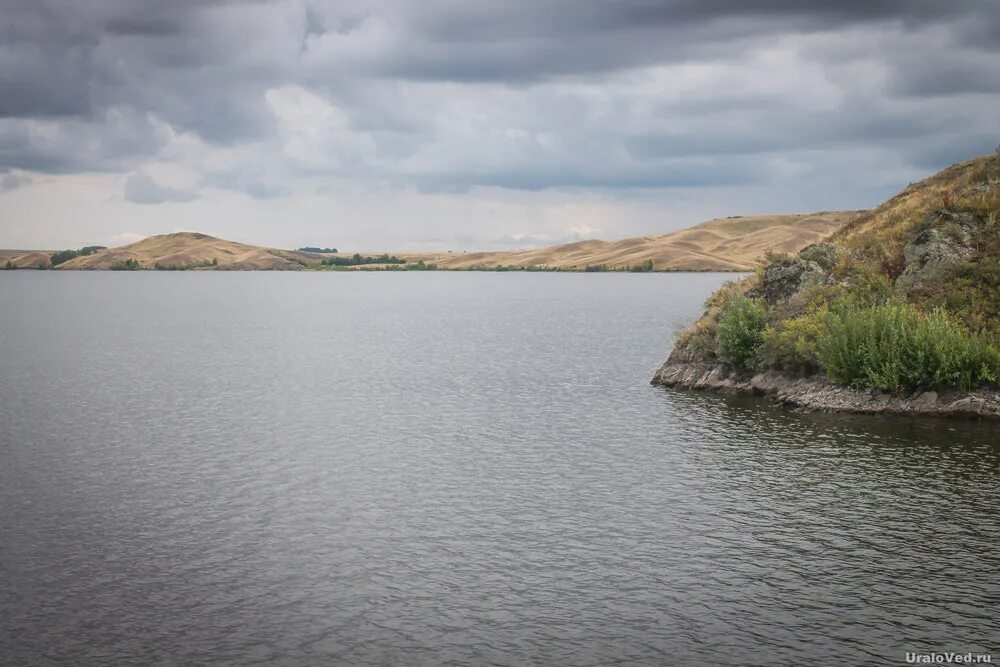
453,469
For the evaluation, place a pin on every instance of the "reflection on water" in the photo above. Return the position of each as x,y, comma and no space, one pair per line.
453,469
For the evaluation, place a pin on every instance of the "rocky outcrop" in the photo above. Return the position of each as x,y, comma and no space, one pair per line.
816,393
786,277
944,240
823,254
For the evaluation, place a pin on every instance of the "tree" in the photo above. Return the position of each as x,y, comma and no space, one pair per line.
8,266
129,264
63,256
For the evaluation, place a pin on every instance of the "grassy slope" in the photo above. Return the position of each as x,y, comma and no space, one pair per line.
729,244
970,290
187,249
960,204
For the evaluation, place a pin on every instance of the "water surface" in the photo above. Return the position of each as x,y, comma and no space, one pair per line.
453,468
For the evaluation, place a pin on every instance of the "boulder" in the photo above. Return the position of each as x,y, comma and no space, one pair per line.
786,277
940,243
824,254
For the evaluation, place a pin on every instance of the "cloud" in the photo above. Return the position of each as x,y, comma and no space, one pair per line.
141,189
278,99
13,181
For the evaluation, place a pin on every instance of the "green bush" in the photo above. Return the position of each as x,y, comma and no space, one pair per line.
63,256
740,335
793,345
129,264
894,346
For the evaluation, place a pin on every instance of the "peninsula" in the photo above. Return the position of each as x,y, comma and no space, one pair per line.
898,311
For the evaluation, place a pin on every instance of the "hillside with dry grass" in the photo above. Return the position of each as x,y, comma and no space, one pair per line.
188,250
905,296
738,243
729,244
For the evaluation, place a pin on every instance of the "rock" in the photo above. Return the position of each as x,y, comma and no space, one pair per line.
927,399
943,241
786,277
817,393
824,254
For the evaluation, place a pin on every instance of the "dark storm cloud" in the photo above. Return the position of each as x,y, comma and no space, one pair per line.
528,40
100,75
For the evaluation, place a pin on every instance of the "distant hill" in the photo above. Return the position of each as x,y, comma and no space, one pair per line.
188,250
730,244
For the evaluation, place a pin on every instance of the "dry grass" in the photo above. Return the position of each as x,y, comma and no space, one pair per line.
187,249
729,244
879,233
25,259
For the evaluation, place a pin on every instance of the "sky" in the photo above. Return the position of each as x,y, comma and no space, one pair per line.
455,124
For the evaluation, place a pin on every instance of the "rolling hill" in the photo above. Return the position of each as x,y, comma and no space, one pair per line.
730,244
727,244
185,250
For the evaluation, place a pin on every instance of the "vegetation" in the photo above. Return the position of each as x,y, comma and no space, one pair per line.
58,258
895,346
360,260
9,266
324,251
643,267
421,266
186,267
908,297
129,264
740,333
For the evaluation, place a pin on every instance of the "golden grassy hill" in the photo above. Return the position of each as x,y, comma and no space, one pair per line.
881,231
191,250
25,259
728,244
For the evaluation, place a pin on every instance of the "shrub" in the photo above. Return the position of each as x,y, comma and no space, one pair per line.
793,345
58,258
740,335
129,264
894,346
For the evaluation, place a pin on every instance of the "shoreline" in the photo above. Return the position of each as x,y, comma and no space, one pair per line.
202,269
818,394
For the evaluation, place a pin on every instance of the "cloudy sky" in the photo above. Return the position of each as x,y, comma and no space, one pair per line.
451,124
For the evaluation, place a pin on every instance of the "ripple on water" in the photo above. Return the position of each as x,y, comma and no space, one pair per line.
453,469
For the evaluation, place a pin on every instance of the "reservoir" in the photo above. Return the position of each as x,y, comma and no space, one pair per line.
422,468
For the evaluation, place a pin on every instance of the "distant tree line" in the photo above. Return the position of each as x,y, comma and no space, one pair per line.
324,251
129,264
186,267
58,258
360,260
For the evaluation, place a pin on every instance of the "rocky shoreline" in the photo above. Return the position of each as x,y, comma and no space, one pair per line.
816,393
